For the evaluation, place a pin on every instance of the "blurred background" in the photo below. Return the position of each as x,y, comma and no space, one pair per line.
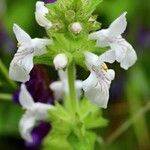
129,106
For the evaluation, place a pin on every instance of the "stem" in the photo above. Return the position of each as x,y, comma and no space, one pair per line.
140,126
125,126
4,71
4,96
73,101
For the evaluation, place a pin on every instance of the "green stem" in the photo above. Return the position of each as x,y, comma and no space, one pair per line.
4,71
4,96
140,126
73,101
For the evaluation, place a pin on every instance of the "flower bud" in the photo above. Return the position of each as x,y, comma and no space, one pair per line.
76,27
60,61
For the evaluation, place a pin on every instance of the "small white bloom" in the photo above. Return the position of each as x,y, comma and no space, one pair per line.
40,15
121,50
34,112
22,63
61,87
60,61
96,86
76,27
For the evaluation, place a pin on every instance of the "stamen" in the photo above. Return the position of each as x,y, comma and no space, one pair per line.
104,66
18,45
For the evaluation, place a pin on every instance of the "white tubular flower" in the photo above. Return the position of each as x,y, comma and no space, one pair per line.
40,15
61,87
120,48
76,27
60,61
34,112
96,86
22,63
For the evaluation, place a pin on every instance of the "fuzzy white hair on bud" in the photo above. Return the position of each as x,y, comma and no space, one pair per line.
76,27
60,61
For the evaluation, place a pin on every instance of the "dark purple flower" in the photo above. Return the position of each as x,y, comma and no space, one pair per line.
38,133
38,86
49,1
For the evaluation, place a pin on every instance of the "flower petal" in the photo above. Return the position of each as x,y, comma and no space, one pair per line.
101,36
41,110
25,98
26,125
118,26
40,45
57,88
90,59
20,67
120,50
99,94
108,56
22,37
129,59
38,112
110,74
40,14
90,82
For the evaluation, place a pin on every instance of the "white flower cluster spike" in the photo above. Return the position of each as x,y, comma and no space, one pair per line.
97,85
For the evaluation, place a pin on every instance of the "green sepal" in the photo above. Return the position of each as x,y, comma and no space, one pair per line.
91,115
45,59
85,143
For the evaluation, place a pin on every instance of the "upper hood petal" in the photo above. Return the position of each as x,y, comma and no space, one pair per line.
40,14
118,26
23,38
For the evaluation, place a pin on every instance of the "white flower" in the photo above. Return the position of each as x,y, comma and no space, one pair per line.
60,61
76,27
34,112
96,86
121,50
22,63
40,15
61,87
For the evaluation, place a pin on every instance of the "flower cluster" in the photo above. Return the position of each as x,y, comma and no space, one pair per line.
65,49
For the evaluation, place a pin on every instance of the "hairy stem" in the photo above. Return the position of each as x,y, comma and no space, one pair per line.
73,101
